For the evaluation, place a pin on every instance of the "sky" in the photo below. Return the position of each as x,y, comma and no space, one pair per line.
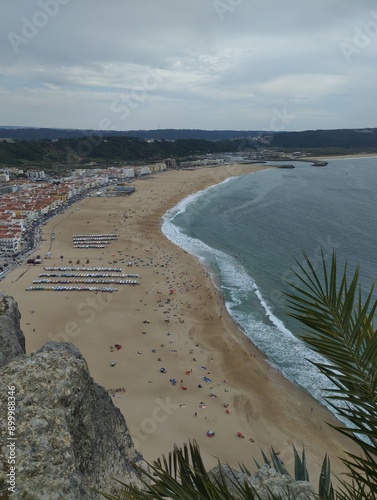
198,64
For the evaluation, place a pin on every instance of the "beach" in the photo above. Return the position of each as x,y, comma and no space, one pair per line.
183,367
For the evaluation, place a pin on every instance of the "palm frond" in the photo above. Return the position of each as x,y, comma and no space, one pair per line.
277,464
182,476
339,327
164,479
325,489
301,472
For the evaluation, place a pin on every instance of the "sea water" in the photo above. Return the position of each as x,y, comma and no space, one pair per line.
251,231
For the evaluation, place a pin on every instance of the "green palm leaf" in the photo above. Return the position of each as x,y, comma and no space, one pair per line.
182,476
301,472
325,489
164,481
339,326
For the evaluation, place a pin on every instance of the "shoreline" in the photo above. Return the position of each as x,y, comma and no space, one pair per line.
263,404
342,157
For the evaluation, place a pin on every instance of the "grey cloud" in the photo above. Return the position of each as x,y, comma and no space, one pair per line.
219,63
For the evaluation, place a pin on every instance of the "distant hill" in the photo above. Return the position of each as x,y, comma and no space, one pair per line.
73,147
342,138
35,134
307,139
68,152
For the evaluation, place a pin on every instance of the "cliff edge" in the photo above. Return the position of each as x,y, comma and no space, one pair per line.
61,437
69,437
12,340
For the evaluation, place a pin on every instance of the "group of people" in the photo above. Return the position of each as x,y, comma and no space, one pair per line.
116,347
118,390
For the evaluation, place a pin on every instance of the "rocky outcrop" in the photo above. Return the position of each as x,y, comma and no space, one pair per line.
267,483
12,340
319,163
70,440
70,436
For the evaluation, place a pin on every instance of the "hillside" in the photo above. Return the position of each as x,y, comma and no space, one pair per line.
69,152
35,134
346,139
305,139
59,153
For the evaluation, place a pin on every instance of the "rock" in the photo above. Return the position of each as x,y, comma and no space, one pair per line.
319,164
70,436
267,483
12,340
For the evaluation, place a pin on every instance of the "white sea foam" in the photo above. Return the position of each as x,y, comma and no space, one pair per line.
183,204
285,351
247,304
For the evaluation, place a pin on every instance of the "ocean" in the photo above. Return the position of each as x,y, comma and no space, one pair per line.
249,230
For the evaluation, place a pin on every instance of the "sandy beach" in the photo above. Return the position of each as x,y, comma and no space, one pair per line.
339,157
175,320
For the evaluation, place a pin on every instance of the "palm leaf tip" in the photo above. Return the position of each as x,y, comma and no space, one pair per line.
339,327
325,489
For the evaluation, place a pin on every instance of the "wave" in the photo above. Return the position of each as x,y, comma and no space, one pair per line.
242,299
188,200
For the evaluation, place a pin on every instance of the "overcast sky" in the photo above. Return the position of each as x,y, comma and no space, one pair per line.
208,64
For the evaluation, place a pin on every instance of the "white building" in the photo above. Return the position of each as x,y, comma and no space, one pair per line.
4,177
35,174
128,173
10,241
139,171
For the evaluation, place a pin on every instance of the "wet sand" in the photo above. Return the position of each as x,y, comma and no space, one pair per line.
175,319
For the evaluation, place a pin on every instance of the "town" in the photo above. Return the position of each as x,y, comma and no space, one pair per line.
29,198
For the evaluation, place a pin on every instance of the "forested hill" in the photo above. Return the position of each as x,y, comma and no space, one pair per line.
102,148
308,139
356,138
118,149
34,134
